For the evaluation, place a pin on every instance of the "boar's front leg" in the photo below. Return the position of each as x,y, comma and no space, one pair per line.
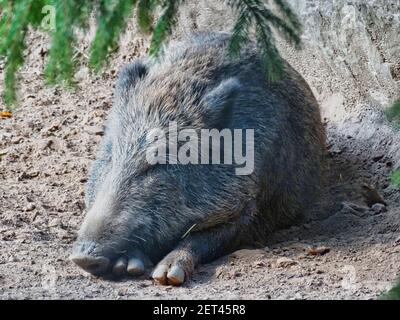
199,247
205,246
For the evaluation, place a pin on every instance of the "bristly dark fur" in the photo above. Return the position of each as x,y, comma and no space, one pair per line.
133,205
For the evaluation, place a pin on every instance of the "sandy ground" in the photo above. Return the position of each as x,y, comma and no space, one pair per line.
46,149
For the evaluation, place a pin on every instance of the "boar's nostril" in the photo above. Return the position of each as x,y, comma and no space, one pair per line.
94,265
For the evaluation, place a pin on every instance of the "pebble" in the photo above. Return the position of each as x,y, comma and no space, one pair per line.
16,140
319,251
378,157
378,208
97,131
13,259
55,222
82,74
50,129
285,262
27,175
45,143
29,207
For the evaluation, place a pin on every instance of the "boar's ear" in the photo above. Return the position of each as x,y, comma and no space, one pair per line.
219,103
128,78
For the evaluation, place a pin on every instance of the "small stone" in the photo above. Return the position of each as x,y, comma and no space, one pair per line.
52,128
319,251
371,195
30,207
4,152
354,206
16,140
378,157
45,143
335,150
97,131
55,222
378,208
260,264
13,259
144,285
122,292
27,175
236,274
82,74
79,204
63,234
248,254
349,208
285,262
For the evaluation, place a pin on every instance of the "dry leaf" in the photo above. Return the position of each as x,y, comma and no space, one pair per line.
5,114
318,251
371,195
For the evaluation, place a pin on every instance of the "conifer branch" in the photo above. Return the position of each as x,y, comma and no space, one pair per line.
164,25
112,17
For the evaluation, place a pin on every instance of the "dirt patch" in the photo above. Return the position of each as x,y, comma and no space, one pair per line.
46,149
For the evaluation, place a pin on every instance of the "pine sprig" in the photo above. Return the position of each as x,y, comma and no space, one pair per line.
61,67
393,113
395,178
240,33
145,15
112,17
289,14
111,21
164,25
392,294
13,31
270,58
255,13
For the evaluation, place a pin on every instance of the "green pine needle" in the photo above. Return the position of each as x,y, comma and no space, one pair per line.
395,178
240,34
393,294
61,67
112,17
164,25
393,113
289,14
13,32
145,15
111,22
255,13
272,61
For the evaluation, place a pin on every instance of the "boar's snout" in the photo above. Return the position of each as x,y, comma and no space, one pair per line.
84,256
93,265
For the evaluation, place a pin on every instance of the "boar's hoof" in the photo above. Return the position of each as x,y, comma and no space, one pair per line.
164,275
119,268
176,276
174,269
135,267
